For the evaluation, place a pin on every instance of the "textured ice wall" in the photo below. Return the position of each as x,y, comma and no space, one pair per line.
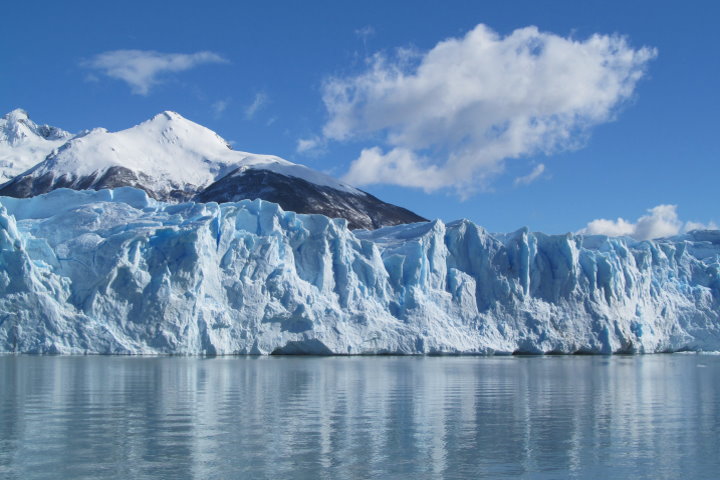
116,272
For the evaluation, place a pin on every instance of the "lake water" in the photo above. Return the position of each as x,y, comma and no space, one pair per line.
655,416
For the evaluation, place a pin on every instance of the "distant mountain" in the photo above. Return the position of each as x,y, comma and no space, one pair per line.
23,143
174,159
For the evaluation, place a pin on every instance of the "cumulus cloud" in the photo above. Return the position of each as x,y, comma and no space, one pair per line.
530,177
661,221
451,116
258,102
400,164
143,69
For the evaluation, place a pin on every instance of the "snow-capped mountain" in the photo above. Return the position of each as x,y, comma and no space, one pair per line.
23,143
114,271
175,159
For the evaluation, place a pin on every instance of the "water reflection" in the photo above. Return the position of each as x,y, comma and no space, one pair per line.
390,417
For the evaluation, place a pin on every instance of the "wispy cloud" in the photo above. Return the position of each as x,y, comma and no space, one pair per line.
451,116
143,69
310,145
660,221
219,107
530,177
258,102
365,32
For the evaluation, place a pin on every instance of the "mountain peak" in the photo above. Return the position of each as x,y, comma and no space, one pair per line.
183,129
16,126
173,115
16,115
169,115
23,143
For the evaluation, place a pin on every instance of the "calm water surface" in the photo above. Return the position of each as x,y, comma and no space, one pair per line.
388,417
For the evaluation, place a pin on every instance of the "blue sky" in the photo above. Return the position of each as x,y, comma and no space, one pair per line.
262,76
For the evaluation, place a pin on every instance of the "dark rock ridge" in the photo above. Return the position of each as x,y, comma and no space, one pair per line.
26,186
298,195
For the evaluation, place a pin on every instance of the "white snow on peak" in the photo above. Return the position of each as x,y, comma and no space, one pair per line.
23,143
16,115
173,151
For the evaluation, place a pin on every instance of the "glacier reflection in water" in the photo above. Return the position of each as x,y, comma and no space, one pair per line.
384,417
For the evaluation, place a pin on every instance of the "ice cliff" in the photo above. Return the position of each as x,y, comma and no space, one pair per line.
114,271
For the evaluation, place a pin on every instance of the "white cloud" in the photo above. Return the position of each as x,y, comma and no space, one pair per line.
400,164
305,145
142,69
612,228
661,221
364,34
530,177
690,225
219,107
451,116
258,102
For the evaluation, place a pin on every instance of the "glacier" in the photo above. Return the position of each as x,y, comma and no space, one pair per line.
118,272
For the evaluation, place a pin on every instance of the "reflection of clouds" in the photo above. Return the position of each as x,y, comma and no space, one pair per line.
354,417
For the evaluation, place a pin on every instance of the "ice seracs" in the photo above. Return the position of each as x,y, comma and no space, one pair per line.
115,271
23,143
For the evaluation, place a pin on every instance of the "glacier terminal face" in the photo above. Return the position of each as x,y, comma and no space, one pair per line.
114,271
